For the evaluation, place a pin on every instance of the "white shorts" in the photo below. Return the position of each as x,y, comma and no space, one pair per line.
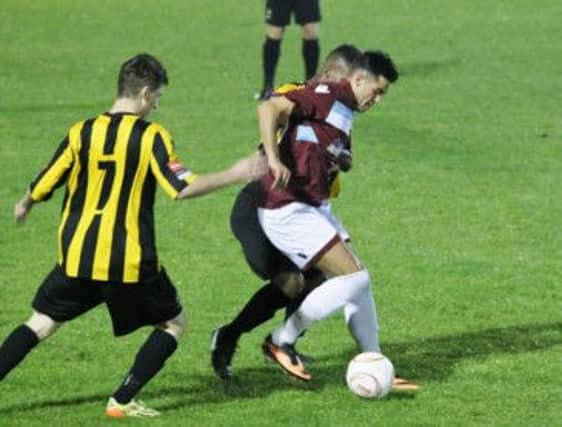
302,232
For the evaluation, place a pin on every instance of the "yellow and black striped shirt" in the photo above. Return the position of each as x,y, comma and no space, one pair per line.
111,164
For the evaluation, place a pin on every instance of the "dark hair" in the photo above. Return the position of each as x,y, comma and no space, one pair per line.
139,71
378,63
348,52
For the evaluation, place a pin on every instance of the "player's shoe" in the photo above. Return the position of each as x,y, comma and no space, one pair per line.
402,384
304,358
135,408
222,351
286,357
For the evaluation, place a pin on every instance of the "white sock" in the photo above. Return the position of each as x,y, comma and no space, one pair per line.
361,319
325,300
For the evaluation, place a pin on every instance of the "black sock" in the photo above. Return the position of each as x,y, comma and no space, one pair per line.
149,360
294,304
310,54
271,52
261,307
14,349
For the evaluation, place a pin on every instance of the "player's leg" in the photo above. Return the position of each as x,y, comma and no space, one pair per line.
57,300
311,236
149,360
307,15
348,284
224,340
303,234
277,17
360,314
262,257
260,308
349,287
362,322
133,306
23,339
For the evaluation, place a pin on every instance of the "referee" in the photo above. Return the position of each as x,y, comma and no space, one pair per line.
277,16
110,165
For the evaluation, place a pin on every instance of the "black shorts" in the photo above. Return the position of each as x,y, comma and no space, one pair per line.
131,305
278,12
263,258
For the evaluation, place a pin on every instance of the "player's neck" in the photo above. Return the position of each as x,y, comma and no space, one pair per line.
125,105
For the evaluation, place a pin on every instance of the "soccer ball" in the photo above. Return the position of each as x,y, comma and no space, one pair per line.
370,375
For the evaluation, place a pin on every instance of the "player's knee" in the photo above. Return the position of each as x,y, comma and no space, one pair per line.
42,325
310,31
176,326
363,279
274,32
291,283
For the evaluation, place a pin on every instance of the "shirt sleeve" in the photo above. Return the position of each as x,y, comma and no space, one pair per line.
286,88
54,174
166,166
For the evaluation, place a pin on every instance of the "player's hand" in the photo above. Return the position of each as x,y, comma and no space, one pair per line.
21,210
345,162
340,155
281,174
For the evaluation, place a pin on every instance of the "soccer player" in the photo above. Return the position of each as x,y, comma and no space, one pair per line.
277,17
286,283
294,214
107,254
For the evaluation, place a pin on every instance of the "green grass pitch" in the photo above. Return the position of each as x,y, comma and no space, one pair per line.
454,204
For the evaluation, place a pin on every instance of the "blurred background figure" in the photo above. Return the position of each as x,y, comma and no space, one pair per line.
277,16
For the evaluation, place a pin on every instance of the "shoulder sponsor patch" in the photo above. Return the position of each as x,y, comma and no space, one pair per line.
322,88
179,170
341,117
307,134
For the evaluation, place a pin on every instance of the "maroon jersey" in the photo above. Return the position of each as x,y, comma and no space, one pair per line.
319,128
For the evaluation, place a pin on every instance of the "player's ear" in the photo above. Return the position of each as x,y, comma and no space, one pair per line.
359,77
144,95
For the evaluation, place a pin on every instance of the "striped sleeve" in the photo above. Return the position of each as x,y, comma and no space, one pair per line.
166,166
287,87
54,174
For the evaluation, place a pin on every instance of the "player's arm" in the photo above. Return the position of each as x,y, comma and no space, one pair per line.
248,169
271,114
48,180
179,182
